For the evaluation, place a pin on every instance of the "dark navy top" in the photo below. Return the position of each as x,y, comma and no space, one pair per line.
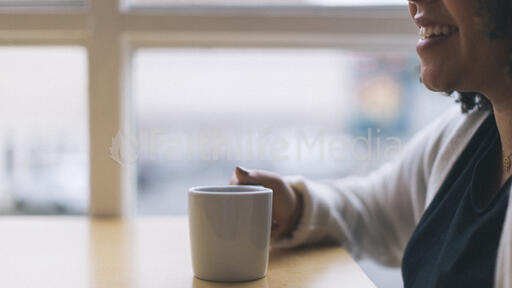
456,241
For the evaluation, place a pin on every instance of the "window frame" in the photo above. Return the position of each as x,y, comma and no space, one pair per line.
111,31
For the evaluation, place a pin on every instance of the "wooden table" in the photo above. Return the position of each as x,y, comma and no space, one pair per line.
77,252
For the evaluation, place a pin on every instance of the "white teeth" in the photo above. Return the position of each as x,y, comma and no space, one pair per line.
437,30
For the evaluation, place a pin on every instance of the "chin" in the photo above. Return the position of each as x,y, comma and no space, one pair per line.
435,87
437,81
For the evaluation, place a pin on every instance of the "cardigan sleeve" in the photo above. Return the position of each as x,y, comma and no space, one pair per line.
372,216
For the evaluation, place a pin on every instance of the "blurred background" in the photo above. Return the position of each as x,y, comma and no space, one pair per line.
199,110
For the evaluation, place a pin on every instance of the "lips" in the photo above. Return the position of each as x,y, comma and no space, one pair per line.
424,45
433,32
436,31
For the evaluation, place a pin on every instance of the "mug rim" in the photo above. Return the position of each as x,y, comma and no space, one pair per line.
251,189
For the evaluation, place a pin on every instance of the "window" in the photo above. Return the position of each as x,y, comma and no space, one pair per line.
324,113
43,130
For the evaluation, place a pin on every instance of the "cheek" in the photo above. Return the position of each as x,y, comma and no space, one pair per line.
454,67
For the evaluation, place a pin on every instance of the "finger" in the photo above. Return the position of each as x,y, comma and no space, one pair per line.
244,176
275,225
279,232
257,177
233,180
276,231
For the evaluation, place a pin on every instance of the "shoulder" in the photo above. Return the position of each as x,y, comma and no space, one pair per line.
455,125
431,153
445,141
450,134
450,130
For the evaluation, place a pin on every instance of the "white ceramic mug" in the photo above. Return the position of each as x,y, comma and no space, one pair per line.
230,232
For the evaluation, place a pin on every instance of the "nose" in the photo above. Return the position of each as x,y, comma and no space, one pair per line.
413,7
418,7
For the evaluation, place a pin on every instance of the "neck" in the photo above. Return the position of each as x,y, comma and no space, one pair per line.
504,122
502,106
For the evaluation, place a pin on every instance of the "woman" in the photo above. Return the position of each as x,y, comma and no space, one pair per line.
440,210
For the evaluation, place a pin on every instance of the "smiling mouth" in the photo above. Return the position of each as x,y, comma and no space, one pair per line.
434,31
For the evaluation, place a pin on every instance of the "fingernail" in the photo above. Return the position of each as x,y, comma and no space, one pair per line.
243,170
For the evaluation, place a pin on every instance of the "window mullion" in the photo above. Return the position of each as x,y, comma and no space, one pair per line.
43,21
105,109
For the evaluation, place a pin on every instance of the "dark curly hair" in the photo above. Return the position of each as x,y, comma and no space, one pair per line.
495,15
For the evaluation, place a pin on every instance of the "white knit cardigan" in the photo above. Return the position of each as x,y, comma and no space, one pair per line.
374,216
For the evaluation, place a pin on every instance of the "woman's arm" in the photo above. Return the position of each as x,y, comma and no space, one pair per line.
372,216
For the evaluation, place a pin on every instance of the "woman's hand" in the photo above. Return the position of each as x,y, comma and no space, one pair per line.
286,203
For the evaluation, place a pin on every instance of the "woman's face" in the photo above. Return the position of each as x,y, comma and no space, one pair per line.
454,49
